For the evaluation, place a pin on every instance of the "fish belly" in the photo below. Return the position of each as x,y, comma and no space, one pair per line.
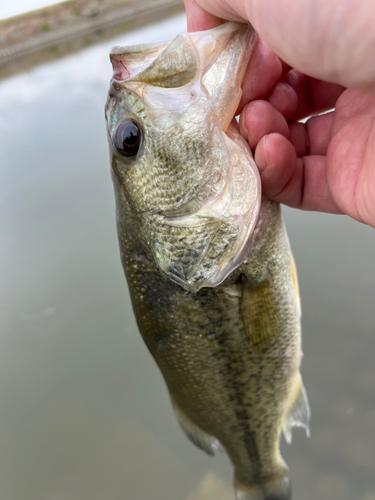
230,355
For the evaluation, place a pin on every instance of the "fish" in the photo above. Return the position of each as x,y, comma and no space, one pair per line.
206,256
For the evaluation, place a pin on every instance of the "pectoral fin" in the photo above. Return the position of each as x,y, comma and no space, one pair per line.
299,413
200,438
259,315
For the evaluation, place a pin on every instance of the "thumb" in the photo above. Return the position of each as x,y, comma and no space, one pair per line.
329,40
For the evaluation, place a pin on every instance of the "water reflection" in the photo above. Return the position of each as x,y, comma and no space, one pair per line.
84,410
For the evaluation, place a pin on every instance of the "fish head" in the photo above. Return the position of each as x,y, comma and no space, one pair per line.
178,159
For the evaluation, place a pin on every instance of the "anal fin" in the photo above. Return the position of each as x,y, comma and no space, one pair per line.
299,412
200,438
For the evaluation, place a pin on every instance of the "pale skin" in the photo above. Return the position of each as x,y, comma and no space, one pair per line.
311,56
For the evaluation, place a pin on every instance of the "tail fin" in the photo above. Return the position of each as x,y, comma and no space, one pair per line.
274,488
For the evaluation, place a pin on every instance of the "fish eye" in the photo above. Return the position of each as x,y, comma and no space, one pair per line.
127,138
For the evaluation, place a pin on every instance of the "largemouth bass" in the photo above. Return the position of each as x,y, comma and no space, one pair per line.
207,259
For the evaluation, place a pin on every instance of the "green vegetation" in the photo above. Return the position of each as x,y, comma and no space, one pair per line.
54,51
44,26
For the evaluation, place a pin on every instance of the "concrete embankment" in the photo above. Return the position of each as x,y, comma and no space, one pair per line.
37,37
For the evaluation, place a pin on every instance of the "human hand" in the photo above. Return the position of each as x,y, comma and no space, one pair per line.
328,163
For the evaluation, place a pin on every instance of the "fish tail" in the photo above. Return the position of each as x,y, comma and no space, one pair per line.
276,487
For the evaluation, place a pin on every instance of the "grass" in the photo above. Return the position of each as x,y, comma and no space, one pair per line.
44,26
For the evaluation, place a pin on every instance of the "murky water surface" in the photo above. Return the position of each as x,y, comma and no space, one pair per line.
84,413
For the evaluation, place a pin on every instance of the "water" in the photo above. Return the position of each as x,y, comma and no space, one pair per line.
84,411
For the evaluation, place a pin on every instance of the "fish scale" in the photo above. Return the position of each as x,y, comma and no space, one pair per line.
206,256
156,188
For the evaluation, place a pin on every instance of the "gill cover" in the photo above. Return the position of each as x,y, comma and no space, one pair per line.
194,188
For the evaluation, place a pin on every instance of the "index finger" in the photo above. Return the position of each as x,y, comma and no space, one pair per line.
264,68
262,74
198,19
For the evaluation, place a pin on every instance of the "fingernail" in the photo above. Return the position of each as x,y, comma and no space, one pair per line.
262,165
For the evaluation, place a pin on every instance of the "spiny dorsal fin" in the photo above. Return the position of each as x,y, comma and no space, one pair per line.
200,438
259,314
299,413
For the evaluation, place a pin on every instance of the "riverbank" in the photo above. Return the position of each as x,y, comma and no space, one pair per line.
55,31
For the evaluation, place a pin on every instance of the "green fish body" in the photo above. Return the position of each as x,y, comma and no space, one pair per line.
206,257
